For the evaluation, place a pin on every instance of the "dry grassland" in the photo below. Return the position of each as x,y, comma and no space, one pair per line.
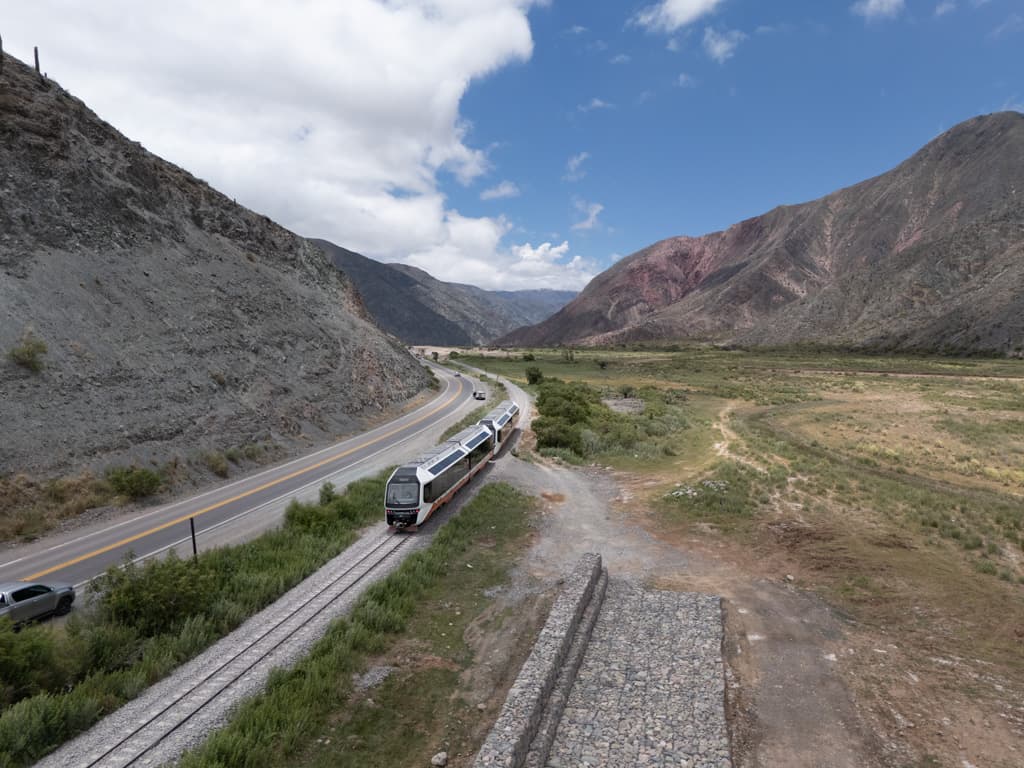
893,488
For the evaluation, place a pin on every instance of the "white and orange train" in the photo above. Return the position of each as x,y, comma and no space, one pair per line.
417,489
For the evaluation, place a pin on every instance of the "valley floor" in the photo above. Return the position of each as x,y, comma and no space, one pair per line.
862,519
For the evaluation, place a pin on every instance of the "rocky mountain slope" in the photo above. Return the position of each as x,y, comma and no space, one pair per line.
174,320
420,309
928,256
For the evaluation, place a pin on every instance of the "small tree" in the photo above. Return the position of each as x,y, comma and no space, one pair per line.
534,375
528,357
602,364
434,355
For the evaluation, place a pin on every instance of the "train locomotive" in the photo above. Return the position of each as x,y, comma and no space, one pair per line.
416,489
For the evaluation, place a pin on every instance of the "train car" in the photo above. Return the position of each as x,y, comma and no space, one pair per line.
501,421
415,490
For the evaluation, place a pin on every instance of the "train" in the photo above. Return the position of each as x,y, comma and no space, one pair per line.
419,488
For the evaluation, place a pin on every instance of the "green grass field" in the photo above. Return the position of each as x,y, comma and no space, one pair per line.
893,485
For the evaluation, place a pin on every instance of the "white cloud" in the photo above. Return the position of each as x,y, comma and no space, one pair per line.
1013,24
670,15
470,258
595,103
591,211
672,45
877,9
336,120
946,6
620,58
573,168
547,265
1012,104
721,46
686,81
576,29
504,189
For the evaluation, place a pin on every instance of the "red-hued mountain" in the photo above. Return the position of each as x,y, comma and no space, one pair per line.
929,256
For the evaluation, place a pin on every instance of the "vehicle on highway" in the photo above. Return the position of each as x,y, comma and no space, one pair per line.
479,394
417,489
25,601
458,374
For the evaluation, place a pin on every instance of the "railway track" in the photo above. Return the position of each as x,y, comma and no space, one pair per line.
178,712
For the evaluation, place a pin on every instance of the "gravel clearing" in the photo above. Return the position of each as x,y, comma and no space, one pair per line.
651,687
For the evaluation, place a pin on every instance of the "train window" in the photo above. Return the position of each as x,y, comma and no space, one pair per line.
403,494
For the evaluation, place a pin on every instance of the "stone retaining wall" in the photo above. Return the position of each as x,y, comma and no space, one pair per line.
509,741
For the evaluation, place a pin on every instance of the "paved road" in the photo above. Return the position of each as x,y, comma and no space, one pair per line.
238,510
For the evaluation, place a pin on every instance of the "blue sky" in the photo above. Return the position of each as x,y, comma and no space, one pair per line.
527,143
812,97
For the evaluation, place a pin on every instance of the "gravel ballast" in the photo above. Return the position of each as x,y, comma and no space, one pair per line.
651,689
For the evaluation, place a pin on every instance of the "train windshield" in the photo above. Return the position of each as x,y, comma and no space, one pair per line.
403,494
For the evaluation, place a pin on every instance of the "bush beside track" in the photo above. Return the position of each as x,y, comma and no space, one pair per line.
276,726
56,682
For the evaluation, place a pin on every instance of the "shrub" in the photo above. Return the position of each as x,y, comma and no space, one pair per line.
529,357
216,463
327,493
534,375
30,662
158,596
555,432
28,353
134,482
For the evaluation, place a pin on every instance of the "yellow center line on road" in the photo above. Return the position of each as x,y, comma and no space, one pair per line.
250,492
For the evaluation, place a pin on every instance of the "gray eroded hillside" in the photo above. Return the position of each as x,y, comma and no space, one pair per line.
175,320
420,309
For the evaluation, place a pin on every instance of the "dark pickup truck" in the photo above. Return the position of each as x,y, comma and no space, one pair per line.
25,601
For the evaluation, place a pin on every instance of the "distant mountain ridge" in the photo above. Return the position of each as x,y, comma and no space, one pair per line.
928,256
175,321
420,309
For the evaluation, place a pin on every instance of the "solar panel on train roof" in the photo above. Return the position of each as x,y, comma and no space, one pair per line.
474,442
465,434
440,466
431,453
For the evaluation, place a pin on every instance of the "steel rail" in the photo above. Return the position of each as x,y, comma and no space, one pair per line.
222,677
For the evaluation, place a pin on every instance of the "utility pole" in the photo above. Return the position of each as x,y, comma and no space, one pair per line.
35,50
1,54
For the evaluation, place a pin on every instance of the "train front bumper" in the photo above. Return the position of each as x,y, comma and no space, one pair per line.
400,518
